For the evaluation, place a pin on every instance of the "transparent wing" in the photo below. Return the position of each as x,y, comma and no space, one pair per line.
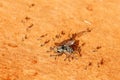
69,43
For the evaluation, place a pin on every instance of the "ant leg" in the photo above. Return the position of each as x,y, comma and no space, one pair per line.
67,56
73,57
79,51
69,59
54,55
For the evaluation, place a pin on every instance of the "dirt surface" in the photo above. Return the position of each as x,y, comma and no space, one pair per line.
28,28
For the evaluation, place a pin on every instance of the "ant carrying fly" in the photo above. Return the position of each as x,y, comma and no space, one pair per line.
69,47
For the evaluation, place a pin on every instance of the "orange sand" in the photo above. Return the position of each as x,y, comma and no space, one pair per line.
22,22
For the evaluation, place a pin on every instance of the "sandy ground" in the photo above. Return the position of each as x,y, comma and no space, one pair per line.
25,25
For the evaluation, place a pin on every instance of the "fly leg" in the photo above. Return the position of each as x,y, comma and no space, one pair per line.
56,55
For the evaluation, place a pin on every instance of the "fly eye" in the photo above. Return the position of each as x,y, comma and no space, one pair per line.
58,51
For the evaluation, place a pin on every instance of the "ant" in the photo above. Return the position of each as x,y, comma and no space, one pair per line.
69,46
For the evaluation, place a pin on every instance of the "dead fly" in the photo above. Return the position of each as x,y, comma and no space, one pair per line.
68,47
65,49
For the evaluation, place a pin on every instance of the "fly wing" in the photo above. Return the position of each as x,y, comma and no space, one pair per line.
69,43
